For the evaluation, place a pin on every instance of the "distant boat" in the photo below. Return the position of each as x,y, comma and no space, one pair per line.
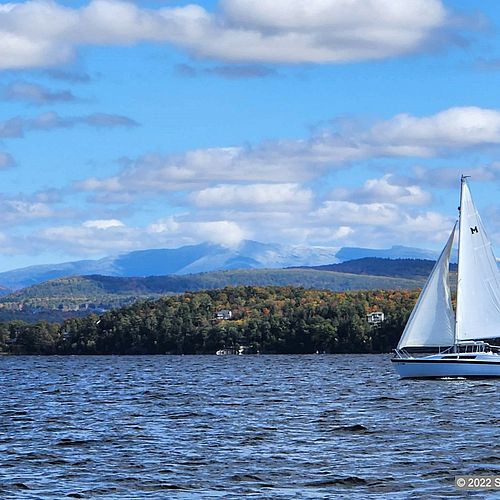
237,351
459,338
227,351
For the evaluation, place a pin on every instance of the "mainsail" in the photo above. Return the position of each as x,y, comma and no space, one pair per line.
432,322
478,289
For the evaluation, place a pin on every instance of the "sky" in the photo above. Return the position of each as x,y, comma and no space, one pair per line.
157,124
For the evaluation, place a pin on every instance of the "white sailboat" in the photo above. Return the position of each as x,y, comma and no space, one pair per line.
458,337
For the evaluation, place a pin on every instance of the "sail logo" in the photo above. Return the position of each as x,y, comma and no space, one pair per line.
474,230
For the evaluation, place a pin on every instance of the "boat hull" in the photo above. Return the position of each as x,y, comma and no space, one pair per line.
439,368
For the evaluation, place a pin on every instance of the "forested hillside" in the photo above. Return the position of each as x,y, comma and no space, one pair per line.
84,294
264,319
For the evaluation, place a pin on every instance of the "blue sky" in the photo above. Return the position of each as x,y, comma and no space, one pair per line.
150,124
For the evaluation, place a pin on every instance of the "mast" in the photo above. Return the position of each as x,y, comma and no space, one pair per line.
460,229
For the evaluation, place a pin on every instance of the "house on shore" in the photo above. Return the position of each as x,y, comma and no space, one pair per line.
224,314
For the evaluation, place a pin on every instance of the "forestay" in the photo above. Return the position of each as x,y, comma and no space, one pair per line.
432,321
478,292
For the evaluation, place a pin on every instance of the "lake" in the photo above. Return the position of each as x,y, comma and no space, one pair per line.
278,427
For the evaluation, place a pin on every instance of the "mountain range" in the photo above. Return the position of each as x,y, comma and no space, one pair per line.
62,298
204,257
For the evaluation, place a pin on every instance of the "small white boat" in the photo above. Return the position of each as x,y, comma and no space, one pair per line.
458,337
227,351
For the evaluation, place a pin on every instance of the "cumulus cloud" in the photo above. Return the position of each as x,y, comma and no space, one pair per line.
335,223
153,174
98,237
229,213
297,161
332,223
43,33
15,211
315,31
90,240
387,189
288,196
103,223
380,223
346,212
459,127
230,194
18,126
225,232
34,93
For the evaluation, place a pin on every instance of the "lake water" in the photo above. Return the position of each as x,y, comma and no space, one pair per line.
326,426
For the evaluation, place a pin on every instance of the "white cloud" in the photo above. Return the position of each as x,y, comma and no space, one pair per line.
268,163
335,233
88,237
430,225
348,213
378,224
325,30
335,223
289,196
103,223
168,225
387,189
342,14
32,34
224,232
288,162
230,194
15,211
88,240
44,33
459,127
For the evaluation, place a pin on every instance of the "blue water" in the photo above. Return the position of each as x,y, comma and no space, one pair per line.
273,427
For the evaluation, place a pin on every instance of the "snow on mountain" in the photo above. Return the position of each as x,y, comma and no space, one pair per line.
203,257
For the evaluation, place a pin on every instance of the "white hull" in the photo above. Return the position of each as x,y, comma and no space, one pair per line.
439,366
463,333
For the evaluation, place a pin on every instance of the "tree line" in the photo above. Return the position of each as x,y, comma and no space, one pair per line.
280,320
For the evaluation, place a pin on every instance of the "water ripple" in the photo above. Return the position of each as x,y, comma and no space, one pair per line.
275,427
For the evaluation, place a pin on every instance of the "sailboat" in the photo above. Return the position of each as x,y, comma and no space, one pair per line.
458,338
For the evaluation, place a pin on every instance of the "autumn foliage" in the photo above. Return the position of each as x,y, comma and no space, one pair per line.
264,319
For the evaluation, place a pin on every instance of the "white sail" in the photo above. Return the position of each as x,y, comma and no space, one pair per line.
478,290
432,322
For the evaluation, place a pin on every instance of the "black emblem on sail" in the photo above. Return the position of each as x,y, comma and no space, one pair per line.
474,230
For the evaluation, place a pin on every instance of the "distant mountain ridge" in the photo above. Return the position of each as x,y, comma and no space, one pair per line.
376,266
80,295
204,257
395,252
